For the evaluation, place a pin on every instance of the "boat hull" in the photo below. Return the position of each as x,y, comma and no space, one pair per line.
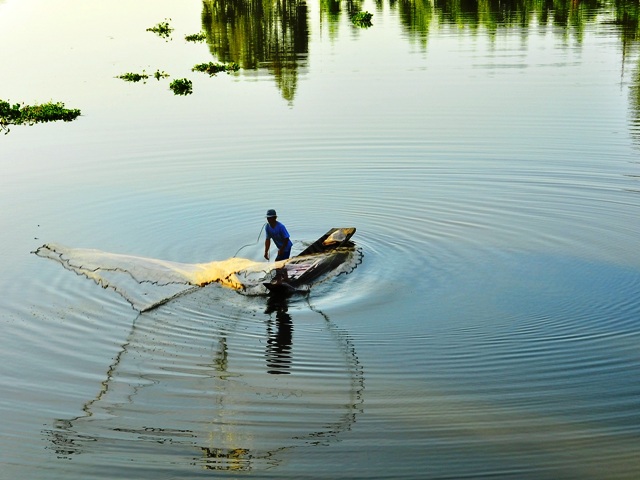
321,257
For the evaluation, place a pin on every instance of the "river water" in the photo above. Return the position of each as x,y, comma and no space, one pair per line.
488,158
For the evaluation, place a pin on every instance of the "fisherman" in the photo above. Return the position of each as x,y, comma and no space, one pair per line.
278,232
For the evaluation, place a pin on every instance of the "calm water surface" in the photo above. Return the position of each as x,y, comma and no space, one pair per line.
489,160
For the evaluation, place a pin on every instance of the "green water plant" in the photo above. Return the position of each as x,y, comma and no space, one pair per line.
136,77
362,19
19,114
181,86
196,37
133,77
213,68
160,74
162,29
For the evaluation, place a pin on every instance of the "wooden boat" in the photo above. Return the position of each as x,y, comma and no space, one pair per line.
324,255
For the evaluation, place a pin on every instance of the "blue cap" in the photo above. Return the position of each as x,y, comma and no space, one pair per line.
271,213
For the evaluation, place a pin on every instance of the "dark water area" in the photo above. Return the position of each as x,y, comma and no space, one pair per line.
487,154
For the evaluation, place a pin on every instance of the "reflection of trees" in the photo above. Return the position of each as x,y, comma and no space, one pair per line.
492,14
567,17
419,15
331,9
416,17
272,34
627,13
634,104
330,15
627,17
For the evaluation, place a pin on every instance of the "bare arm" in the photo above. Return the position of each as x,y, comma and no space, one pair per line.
267,244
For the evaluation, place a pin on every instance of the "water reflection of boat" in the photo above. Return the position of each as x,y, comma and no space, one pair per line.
321,257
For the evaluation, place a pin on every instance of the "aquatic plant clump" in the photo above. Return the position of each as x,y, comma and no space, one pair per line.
133,77
182,86
362,19
162,29
158,75
136,77
18,114
196,37
213,68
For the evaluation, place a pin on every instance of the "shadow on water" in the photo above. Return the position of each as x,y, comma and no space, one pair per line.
195,388
279,335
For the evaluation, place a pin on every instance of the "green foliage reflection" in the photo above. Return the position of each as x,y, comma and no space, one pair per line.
254,33
273,34
418,16
627,15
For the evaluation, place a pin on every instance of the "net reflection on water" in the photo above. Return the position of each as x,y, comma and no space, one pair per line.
201,380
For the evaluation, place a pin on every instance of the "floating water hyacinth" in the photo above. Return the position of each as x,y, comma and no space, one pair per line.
196,37
212,68
18,114
182,86
133,77
362,19
162,29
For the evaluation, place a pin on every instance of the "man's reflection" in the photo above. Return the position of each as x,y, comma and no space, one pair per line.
279,336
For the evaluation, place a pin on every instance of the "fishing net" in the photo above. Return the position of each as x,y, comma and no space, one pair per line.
147,282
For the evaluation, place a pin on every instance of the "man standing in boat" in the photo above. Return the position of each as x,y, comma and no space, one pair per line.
278,232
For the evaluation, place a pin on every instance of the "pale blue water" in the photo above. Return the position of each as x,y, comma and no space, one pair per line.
491,329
